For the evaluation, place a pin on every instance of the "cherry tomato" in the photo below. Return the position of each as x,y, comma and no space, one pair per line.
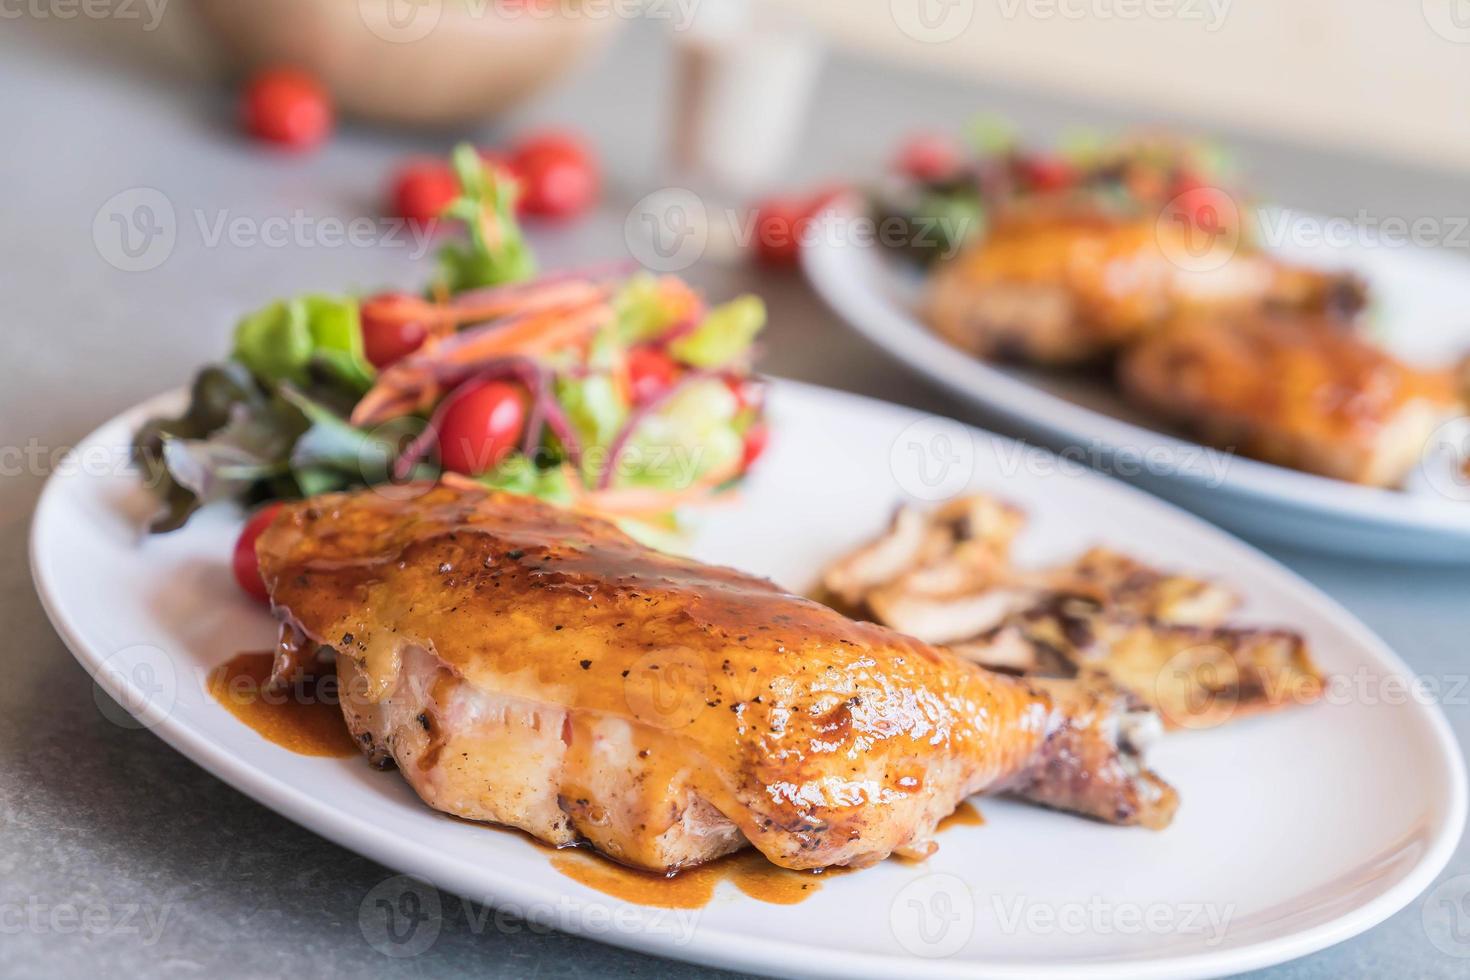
650,373
286,106
928,157
779,224
422,189
244,563
481,426
389,332
756,438
1046,173
559,177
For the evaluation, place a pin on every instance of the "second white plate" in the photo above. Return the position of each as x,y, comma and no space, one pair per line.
1422,303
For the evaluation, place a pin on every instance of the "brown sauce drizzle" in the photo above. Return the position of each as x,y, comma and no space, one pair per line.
305,718
965,815
747,870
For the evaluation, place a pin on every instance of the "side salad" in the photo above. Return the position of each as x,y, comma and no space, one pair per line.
944,191
622,395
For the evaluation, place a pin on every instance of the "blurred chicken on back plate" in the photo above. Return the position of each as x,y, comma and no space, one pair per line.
1298,391
1055,284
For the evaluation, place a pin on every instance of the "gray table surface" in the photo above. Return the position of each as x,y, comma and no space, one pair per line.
94,815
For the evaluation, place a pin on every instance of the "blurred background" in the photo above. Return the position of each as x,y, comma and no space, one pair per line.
1372,76
236,118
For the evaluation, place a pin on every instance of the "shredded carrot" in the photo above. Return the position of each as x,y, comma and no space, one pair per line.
571,292
538,333
412,383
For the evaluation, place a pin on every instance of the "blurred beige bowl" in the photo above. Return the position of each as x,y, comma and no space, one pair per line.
420,62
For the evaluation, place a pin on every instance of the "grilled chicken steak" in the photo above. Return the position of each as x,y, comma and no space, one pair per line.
1296,391
534,667
1059,287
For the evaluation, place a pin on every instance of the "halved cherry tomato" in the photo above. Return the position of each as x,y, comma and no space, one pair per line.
422,189
388,332
481,426
559,177
244,563
286,106
650,373
756,438
779,224
928,156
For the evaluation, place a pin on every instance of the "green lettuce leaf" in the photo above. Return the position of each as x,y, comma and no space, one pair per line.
518,474
221,394
692,434
725,335
282,342
496,252
641,311
332,454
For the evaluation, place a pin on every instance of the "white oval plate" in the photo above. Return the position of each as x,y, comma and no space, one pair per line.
1333,816
1422,312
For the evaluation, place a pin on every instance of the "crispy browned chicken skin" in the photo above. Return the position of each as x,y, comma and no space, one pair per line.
1298,391
530,666
1064,286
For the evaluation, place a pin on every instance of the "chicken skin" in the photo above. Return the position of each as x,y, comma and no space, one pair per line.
1062,287
534,667
1297,391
